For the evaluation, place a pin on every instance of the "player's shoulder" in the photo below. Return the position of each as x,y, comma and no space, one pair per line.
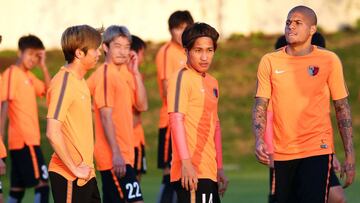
164,48
325,52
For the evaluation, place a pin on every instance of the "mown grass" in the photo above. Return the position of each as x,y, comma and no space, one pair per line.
235,67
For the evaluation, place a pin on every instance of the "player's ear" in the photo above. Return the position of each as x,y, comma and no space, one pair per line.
79,53
313,29
105,47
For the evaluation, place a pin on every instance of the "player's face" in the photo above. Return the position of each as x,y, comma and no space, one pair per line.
118,51
29,58
91,58
177,32
298,29
141,56
201,54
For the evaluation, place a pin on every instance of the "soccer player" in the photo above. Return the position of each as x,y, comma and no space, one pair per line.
69,119
197,170
113,101
21,86
170,58
336,192
139,46
303,139
2,153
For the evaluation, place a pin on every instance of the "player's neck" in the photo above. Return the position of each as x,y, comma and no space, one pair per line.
21,66
112,64
299,49
77,69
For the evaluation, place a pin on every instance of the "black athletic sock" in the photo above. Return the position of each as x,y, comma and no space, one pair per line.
167,193
41,194
16,196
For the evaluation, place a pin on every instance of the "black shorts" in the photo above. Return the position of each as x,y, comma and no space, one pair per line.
27,167
164,148
64,191
303,180
207,191
120,189
140,160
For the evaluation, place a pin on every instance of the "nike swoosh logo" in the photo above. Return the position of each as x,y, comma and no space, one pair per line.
279,71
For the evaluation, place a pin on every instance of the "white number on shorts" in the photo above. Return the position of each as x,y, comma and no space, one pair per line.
204,198
45,174
130,187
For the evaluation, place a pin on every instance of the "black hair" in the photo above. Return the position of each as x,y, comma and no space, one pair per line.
180,17
192,32
137,43
30,42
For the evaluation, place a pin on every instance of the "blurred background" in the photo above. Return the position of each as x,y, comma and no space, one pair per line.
249,29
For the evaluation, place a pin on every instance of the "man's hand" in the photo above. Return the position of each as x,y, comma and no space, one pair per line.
222,182
119,165
82,171
133,63
348,170
261,152
189,178
2,167
42,59
336,164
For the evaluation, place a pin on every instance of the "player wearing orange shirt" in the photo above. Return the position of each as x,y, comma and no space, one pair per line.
303,140
28,168
170,58
139,46
111,86
196,171
69,119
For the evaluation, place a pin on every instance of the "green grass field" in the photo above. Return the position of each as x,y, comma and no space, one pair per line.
235,67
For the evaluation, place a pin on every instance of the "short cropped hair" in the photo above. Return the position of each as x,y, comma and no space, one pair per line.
178,18
115,31
83,37
137,43
192,32
317,39
30,42
308,12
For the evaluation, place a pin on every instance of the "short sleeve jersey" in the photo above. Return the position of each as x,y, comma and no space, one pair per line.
196,96
170,58
301,85
20,89
69,102
109,89
2,146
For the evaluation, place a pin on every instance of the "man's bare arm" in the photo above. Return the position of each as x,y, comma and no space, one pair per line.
344,121
259,126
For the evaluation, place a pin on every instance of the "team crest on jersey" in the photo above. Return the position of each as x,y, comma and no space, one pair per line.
215,92
313,70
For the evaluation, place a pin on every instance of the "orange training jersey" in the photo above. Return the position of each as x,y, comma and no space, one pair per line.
300,89
2,146
20,89
109,89
195,96
69,102
170,58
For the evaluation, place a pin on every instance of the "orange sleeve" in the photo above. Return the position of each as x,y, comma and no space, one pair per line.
263,86
9,84
336,80
178,93
3,153
39,85
104,95
59,97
